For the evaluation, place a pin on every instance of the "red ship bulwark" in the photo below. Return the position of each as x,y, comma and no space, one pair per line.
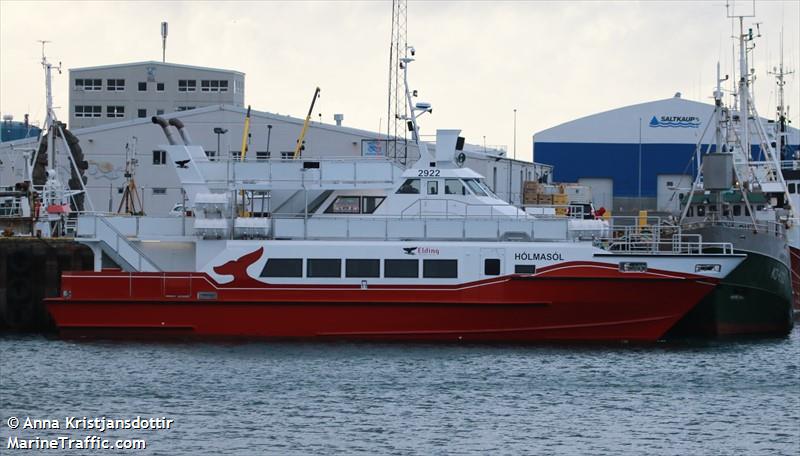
568,302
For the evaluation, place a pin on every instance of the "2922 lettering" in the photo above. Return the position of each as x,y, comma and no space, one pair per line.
429,173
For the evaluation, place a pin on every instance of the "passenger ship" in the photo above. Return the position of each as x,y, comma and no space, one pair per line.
427,253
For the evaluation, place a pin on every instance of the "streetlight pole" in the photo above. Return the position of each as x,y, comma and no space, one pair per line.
269,134
219,131
515,133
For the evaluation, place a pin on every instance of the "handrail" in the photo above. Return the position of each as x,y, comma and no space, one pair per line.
119,236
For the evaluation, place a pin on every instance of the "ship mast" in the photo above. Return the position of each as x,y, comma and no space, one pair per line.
780,73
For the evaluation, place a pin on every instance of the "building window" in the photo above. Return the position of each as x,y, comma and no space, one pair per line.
115,111
236,154
89,85
362,268
187,85
440,269
88,111
287,155
213,86
159,157
491,266
159,86
792,188
211,154
159,112
262,155
159,191
184,108
115,85
141,113
401,268
525,269
283,267
324,267
143,87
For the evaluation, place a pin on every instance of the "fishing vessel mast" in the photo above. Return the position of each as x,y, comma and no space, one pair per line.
55,197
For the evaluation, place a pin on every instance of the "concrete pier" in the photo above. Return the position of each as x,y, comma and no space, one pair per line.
30,270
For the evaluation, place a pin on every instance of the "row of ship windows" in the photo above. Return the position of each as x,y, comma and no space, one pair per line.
735,209
371,268
117,111
184,85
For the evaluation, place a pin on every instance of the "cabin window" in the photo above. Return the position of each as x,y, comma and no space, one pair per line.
433,187
262,155
345,205
726,211
362,268
737,210
159,191
409,186
473,185
760,207
370,203
440,269
283,267
792,188
525,269
747,211
701,211
491,266
630,266
690,212
454,187
401,268
324,267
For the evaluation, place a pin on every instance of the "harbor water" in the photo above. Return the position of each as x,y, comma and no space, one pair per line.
709,397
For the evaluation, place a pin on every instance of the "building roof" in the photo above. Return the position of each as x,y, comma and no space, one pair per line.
155,63
669,121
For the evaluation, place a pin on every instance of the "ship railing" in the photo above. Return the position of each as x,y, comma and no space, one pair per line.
452,208
409,227
762,226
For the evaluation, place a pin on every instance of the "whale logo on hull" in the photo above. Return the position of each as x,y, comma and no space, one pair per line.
238,269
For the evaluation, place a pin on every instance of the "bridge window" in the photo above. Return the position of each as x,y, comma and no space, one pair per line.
491,266
433,187
454,187
473,185
409,186
362,268
324,267
283,267
737,210
401,268
792,188
440,269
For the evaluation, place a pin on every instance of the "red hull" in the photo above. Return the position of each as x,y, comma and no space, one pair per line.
586,301
795,256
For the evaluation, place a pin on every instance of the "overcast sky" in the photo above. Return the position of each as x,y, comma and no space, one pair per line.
476,61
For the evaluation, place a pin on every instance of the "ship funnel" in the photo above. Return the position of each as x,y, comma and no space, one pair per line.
165,126
447,142
184,134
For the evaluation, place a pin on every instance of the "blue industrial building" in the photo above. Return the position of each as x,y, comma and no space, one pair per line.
11,130
634,157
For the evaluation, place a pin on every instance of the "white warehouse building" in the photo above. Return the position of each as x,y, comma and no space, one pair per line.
108,147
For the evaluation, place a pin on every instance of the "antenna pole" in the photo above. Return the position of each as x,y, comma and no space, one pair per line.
164,29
